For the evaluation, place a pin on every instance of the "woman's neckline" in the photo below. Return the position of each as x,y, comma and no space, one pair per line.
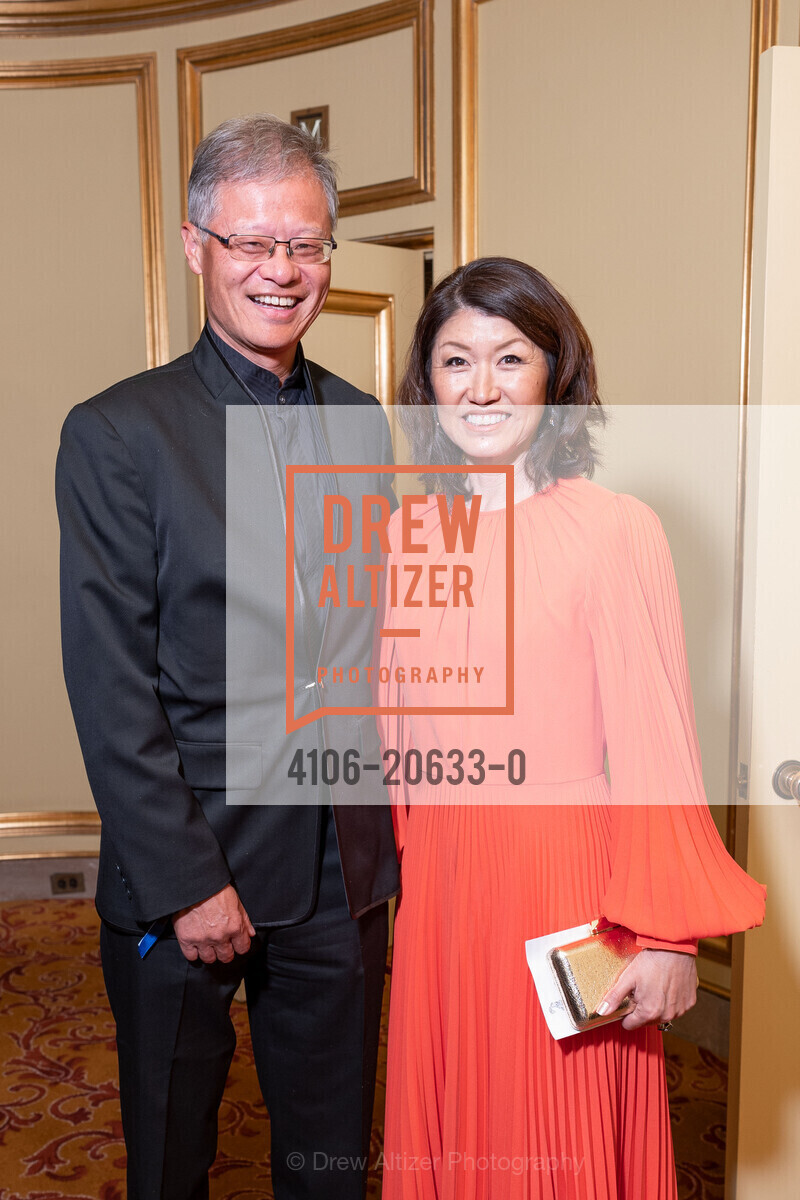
518,504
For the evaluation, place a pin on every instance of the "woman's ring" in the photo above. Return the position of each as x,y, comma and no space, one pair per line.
664,1026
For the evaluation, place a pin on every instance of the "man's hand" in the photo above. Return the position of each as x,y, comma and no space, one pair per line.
663,984
215,929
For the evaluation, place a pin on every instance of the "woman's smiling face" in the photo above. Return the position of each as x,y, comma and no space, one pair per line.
490,384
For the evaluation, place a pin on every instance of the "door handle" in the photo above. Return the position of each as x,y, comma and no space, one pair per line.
786,780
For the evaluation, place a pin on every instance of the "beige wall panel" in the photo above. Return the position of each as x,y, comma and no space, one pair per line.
789,23
369,87
346,346
682,462
75,320
76,253
612,156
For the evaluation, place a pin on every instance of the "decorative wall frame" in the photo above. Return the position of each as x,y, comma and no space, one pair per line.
379,306
139,70
361,24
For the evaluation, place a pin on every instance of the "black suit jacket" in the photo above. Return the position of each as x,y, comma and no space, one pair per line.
186,808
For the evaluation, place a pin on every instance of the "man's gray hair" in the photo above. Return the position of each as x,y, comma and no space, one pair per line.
258,147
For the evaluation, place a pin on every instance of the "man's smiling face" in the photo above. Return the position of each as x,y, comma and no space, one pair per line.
263,309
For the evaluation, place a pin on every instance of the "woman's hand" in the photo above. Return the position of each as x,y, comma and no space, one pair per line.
663,984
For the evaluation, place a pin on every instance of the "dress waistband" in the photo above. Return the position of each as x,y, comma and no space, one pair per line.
497,788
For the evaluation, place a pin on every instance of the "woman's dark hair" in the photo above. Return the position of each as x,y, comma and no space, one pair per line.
504,287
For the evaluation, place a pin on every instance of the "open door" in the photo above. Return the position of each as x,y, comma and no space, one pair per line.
764,1139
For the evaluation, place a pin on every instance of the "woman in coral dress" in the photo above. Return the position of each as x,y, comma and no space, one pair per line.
482,1102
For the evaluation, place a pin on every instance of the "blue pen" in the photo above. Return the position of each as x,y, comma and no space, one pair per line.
149,940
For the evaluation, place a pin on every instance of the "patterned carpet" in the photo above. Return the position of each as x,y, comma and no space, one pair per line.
60,1131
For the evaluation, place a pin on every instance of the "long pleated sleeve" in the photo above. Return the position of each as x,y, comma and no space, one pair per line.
672,880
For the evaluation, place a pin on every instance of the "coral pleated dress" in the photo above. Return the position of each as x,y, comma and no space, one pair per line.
482,1103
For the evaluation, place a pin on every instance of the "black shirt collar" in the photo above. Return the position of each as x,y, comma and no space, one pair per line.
266,387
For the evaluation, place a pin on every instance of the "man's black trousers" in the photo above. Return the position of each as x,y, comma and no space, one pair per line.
314,1000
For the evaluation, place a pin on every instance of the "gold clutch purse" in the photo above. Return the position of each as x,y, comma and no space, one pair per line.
587,969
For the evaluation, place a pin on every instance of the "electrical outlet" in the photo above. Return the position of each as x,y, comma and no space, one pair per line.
67,883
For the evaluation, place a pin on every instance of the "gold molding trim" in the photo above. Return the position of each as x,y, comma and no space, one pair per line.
36,855
763,34
465,132
361,24
715,989
43,18
716,949
41,824
407,239
379,306
140,70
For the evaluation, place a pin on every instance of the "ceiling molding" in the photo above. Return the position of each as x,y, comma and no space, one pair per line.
44,18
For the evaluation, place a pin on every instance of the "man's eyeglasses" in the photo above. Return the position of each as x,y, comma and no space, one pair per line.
251,247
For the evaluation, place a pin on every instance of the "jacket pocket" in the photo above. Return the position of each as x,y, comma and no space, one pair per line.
219,766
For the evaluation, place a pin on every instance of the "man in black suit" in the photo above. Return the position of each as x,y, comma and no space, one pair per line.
211,872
